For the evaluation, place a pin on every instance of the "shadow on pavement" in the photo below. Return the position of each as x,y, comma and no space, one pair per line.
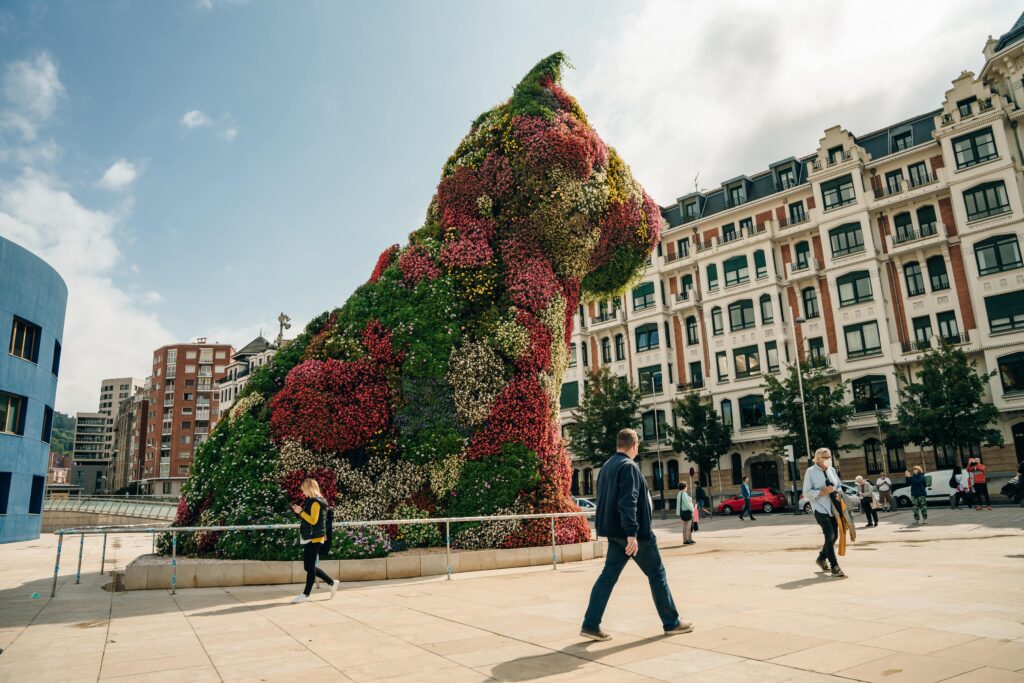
566,660
821,577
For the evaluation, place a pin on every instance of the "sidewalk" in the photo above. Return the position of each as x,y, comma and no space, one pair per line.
933,603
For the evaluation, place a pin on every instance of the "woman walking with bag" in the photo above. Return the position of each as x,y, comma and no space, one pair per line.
867,500
685,508
312,534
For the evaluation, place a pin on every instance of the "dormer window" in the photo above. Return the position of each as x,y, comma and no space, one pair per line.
964,107
690,211
902,141
835,154
737,195
786,179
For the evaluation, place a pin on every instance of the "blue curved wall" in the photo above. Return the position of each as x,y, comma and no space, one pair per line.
29,289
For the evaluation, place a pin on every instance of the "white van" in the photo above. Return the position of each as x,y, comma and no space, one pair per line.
938,488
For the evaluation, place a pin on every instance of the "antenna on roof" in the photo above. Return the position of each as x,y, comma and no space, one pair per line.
695,182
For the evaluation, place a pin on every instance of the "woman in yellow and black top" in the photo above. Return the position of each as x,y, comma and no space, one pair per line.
312,533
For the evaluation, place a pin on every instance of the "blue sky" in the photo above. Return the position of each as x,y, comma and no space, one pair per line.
193,168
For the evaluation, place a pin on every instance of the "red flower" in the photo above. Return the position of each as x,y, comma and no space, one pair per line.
416,265
385,259
377,340
292,484
565,142
520,414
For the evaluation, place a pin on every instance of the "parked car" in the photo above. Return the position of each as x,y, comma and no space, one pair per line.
939,489
586,504
849,493
761,500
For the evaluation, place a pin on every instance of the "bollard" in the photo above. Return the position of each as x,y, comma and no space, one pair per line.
78,573
174,562
103,558
554,553
448,548
56,565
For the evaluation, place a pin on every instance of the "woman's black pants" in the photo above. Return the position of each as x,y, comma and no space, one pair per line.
309,555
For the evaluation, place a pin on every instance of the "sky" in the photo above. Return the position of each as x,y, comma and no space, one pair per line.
194,168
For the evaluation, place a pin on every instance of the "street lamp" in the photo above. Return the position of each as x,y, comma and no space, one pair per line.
800,381
657,441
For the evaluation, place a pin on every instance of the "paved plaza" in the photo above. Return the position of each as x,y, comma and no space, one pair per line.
943,602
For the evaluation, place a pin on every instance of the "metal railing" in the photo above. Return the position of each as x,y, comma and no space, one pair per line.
82,532
149,509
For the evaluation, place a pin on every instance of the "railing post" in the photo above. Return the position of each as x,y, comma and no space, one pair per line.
174,562
56,564
448,548
103,557
78,573
554,553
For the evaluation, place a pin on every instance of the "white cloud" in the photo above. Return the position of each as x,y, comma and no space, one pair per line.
195,119
727,88
31,90
119,176
204,4
106,334
153,297
229,133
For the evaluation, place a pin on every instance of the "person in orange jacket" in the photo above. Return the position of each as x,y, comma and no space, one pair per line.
976,468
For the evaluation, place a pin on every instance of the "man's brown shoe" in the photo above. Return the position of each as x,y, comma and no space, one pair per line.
682,627
598,635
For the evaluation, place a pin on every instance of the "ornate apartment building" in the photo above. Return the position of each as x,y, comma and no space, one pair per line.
859,255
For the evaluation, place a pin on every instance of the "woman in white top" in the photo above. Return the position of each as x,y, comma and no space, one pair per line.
684,506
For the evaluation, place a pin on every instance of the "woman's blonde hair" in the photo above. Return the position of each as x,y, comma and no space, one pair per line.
311,488
917,468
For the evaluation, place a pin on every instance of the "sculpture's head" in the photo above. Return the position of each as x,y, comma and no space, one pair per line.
533,180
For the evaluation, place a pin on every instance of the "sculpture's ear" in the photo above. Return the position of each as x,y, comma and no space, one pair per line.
531,96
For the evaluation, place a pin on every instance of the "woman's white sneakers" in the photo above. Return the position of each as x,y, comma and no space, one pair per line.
301,597
333,588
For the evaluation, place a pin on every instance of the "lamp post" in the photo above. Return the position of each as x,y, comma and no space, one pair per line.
800,382
657,442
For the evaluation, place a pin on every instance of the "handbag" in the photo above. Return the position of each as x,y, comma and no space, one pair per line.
686,515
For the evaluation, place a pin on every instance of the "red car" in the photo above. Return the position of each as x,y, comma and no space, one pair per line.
761,500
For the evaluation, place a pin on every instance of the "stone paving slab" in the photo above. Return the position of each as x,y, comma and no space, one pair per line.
942,602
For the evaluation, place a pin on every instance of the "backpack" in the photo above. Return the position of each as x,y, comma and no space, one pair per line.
325,547
953,483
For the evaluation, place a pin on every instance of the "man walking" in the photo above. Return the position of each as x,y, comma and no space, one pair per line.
820,481
745,494
624,517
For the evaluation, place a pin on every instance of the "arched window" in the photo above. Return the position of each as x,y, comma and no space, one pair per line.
737,468
727,413
926,222
716,320
736,270
647,337
606,350
904,226
620,347
588,482
673,474
873,456
846,239
760,265
854,288
802,253
870,393
937,273
691,330
998,254
741,315
914,279
712,277
575,482
766,309
810,297
752,413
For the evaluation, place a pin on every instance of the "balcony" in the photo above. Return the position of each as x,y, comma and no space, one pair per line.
832,160
902,237
922,180
605,319
690,386
889,190
672,258
796,271
785,222
688,298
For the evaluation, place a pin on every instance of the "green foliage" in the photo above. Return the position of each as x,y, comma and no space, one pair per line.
486,485
62,436
269,379
700,437
530,98
827,410
611,404
417,535
611,280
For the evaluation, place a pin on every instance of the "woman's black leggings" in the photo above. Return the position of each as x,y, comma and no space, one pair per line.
869,512
309,555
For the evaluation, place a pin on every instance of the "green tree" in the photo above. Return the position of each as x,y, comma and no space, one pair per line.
701,436
611,404
827,411
943,404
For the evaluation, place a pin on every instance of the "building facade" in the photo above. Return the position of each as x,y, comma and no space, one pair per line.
253,355
94,454
857,256
184,405
129,439
33,301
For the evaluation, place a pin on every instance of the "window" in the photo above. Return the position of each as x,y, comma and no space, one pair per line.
656,476
771,353
974,148
870,393
668,336
838,192
1005,311
810,296
904,225
643,296
894,456
894,181
687,285
963,107
650,379
926,221
797,213
1011,372
918,174
945,456
5,491
25,340
55,366
683,247
570,397
654,430
937,273
584,354
751,411
691,211
873,456
606,350
760,265
728,232
854,288
167,486
737,195
12,413
185,438
987,199
747,361
835,154
766,309
786,179
647,337
722,364
35,500
846,239
47,425
620,347
803,253
712,277
716,320
737,463
922,332
691,331
741,315
572,364
903,140
862,340
736,270
915,281
696,374
998,254
949,331
673,474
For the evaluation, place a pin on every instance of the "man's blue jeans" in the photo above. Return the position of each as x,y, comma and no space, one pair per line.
649,560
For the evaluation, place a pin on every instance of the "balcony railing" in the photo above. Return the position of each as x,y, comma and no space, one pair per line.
810,267
690,295
889,189
832,159
786,222
690,386
911,235
922,179
604,317
915,346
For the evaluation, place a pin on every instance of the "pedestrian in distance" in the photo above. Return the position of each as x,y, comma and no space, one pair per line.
745,493
314,534
884,486
685,508
958,488
919,494
702,499
979,483
820,482
623,516
867,500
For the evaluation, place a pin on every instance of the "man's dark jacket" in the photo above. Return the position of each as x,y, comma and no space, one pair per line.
623,502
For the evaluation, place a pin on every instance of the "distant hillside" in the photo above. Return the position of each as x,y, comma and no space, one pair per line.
62,438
